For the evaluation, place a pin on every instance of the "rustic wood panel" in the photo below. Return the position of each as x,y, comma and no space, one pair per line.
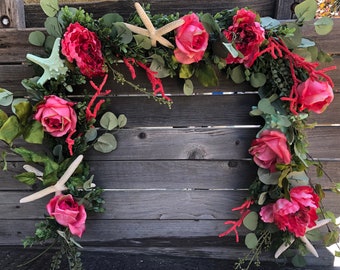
35,17
12,14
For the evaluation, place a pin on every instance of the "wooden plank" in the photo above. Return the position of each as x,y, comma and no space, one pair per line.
284,9
12,14
35,17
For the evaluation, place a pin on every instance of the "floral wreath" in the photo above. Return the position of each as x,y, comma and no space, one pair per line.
283,206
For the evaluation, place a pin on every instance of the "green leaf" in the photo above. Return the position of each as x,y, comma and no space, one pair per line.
109,121
293,41
106,143
251,221
206,75
10,129
337,253
303,52
123,32
251,240
268,178
22,108
158,65
323,26
188,87
331,238
91,134
6,97
186,71
298,261
237,74
34,133
50,7
306,10
265,106
122,120
36,38
296,178
209,23
324,57
269,23
231,49
306,43
257,79
3,117
53,27
262,198
143,42
110,18
27,178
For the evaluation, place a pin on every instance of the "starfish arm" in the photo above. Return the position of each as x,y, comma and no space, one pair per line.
170,27
309,246
29,168
144,17
60,185
319,223
164,42
38,195
137,30
284,247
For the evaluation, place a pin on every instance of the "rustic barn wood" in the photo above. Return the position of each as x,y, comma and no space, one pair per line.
177,173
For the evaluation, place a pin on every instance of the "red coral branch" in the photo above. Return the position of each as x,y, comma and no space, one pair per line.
244,211
99,92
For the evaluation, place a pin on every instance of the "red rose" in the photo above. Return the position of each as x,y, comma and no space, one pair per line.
247,35
295,215
270,149
191,40
56,116
83,46
68,213
314,95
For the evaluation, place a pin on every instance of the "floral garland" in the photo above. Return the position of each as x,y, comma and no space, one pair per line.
279,212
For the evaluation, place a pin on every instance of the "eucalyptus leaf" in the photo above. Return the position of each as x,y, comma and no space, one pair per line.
36,38
298,261
6,97
206,75
188,87
53,27
123,32
257,79
269,23
306,10
122,120
251,240
323,26
158,65
109,121
50,7
186,71
209,23
34,133
49,42
265,106
106,143
143,41
303,52
297,178
262,198
268,178
251,221
237,74
110,18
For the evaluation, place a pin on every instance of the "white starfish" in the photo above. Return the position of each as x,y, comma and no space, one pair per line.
304,239
58,187
150,31
53,66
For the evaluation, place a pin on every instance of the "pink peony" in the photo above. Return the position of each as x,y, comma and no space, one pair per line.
67,212
314,95
295,215
191,40
270,149
247,35
56,116
83,46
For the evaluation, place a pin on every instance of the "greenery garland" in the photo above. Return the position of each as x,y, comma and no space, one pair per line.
283,205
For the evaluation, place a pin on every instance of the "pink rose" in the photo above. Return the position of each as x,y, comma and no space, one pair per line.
68,213
191,40
83,46
314,95
56,116
295,215
247,36
270,149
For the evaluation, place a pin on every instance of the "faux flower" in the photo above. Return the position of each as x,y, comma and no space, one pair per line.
294,215
247,36
270,149
83,46
67,212
56,116
314,95
191,40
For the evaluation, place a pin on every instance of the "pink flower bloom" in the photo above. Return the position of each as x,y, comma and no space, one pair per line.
247,35
295,215
314,95
83,46
191,40
270,149
67,212
56,116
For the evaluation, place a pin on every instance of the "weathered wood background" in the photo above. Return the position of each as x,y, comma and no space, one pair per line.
177,173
